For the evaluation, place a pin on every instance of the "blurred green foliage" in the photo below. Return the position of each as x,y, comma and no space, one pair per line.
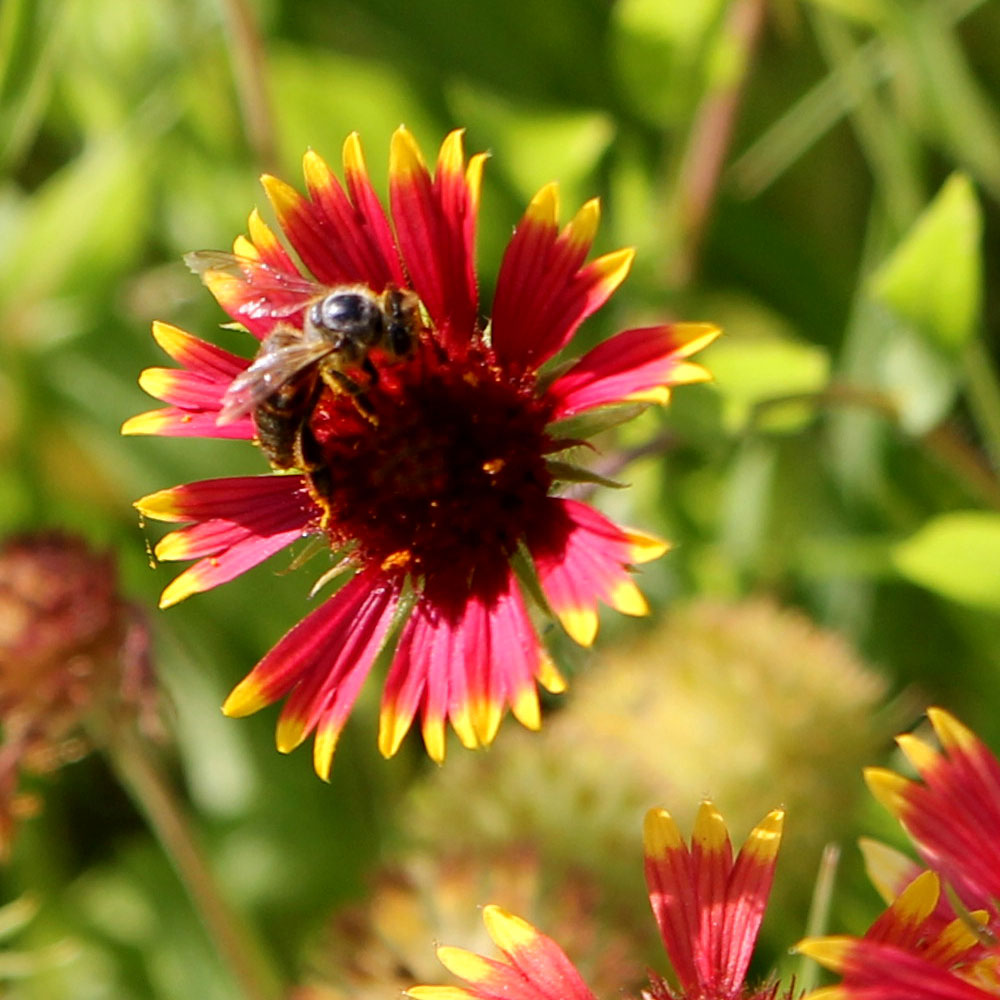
820,178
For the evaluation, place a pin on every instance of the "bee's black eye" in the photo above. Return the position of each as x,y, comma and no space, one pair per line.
348,312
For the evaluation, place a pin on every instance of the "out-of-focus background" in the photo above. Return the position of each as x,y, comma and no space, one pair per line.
819,178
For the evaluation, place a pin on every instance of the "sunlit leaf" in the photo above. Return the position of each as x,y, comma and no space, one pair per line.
309,87
919,382
952,103
659,52
933,278
865,11
87,217
769,374
957,555
538,146
32,36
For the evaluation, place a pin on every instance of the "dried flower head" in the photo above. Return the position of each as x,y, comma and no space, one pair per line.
747,700
69,646
379,947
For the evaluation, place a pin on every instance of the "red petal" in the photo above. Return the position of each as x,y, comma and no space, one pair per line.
543,290
320,642
245,550
173,422
435,224
326,691
581,557
232,498
670,877
634,366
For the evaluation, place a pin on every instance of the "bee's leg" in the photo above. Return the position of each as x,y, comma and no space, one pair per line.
342,383
371,371
321,483
308,455
355,390
363,405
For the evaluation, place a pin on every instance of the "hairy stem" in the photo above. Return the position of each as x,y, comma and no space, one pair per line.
711,136
250,75
149,788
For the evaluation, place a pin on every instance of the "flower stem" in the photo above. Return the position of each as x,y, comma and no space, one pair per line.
711,135
149,788
944,442
250,75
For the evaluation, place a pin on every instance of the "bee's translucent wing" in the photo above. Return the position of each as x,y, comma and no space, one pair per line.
270,293
268,373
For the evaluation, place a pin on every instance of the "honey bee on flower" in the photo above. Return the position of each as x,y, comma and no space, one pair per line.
416,439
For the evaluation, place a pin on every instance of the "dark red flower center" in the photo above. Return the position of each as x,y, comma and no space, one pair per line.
438,469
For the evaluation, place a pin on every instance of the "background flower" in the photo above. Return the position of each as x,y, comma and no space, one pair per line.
931,943
661,707
74,661
708,907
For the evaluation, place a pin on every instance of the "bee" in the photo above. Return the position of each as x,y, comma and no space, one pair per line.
340,326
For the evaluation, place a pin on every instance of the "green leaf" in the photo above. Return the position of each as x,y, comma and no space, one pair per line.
660,53
956,555
84,222
32,40
308,86
751,371
568,472
869,12
933,278
538,145
921,383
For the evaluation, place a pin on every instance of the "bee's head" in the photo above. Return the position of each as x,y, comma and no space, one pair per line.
348,316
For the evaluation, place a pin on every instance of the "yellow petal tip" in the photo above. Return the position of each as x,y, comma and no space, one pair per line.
246,698
580,625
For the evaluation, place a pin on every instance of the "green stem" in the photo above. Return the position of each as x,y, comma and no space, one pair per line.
142,777
888,148
944,442
817,923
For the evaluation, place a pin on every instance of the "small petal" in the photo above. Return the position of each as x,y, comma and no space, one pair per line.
242,554
435,227
377,233
359,242
307,230
533,966
230,498
240,523
747,891
582,557
196,390
463,658
544,291
439,993
197,355
173,422
319,647
635,366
